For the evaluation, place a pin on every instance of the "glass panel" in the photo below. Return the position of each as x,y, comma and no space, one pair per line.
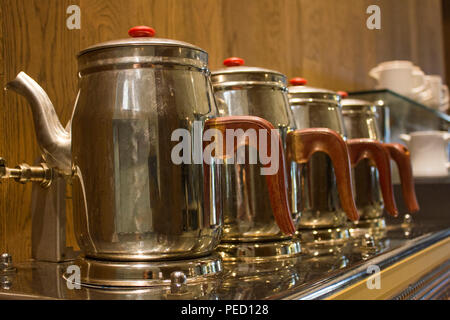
403,115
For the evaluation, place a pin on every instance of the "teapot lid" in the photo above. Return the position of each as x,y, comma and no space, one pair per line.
357,106
236,74
299,90
142,37
355,103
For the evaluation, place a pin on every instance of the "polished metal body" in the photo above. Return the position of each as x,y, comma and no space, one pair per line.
247,211
383,117
360,122
131,201
318,198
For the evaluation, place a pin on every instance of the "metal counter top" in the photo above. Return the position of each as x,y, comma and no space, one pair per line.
302,277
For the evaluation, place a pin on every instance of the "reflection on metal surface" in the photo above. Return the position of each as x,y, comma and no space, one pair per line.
7,271
261,279
368,246
375,227
407,225
330,262
318,242
178,282
6,264
5,282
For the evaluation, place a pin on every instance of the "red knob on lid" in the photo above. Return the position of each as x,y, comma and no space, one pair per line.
297,81
233,62
141,31
343,94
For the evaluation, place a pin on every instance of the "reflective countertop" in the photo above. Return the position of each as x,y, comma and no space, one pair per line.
303,277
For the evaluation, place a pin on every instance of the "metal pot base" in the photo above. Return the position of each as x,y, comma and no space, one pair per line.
104,274
259,251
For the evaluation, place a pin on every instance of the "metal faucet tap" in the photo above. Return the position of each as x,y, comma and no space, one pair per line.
24,173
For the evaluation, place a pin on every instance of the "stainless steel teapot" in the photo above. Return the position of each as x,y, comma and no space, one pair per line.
319,199
360,122
248,215
132,201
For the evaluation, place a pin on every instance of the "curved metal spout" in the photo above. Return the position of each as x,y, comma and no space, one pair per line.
54,141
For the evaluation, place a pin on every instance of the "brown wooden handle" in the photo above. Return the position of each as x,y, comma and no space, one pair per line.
277,184
400,154
373,150
302,144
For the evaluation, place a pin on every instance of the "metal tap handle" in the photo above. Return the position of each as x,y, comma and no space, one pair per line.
276,183
24,173
400,154
373,150
302,144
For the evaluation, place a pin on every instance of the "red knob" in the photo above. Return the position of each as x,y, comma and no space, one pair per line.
343,94
141,31
297,81
233,62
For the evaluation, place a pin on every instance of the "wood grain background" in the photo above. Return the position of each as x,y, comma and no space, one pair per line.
325,41
446,22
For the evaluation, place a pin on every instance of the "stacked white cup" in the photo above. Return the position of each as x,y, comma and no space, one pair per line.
405,78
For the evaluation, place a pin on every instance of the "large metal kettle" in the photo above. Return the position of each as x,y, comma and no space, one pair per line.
248,216
132,200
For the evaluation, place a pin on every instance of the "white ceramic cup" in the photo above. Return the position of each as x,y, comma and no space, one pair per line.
438,91
400,76
445,104
429,152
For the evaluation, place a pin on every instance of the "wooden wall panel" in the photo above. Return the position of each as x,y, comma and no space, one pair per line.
337,46
446,35
325,41
109,20
3,203
198,22
256,31
35,40
427,45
